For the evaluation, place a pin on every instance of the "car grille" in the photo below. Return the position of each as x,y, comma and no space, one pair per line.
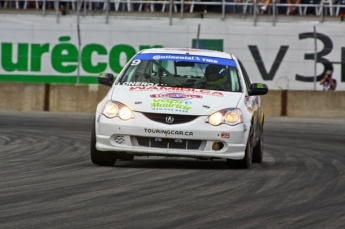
178,119
168,143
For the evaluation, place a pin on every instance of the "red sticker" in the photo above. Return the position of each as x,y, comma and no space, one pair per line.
225,135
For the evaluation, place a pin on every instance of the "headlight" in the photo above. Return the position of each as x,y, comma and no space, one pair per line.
230,116
110,110
125,113
215,119
113,109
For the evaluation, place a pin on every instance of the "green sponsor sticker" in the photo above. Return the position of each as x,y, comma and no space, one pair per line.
259,85
103,75
171,105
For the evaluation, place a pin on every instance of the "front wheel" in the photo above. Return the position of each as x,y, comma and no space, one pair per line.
258,151
124,156
100,157
246,162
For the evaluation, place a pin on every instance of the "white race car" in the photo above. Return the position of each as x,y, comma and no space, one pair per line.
180,102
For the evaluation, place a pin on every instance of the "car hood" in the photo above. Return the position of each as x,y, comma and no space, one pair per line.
174,100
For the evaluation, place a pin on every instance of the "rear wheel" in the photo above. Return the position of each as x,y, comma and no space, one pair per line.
100,157
246,162
258,151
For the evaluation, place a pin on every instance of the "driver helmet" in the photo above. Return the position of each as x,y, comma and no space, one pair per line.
215,74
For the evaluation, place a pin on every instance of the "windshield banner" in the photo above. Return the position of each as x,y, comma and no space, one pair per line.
186,58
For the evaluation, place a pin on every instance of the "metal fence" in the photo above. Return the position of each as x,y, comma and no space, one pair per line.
183,8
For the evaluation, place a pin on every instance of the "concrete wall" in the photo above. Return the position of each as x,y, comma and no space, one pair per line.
21,97
76,98
272,103
316,103
84,98
304,103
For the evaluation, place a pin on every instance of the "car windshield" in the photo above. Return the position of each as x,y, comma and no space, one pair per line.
182,71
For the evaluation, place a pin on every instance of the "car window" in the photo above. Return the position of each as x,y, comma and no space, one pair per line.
177,73
245,75
235,86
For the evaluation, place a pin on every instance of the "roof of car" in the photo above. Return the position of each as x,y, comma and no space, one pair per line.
190,51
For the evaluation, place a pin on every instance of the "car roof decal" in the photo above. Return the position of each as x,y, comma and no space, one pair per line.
187,58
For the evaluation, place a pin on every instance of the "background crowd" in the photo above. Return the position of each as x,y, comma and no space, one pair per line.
289,7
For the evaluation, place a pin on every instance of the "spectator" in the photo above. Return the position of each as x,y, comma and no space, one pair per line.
63,8
293,9
310,10
147,7
4,3
329,84
266,4
196,7
217,8
341,5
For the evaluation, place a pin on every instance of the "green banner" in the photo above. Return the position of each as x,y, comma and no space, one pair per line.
211,44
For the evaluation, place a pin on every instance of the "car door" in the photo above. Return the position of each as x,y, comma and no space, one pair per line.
255,105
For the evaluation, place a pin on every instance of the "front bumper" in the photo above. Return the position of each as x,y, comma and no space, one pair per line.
142,136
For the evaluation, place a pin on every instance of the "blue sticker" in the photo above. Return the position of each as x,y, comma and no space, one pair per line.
186,58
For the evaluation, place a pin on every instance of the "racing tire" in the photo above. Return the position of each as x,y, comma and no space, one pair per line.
100,157
258,151
246,162
123,156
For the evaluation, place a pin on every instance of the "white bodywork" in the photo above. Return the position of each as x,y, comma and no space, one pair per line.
114,134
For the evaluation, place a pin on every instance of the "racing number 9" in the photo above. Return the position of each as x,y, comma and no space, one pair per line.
135,62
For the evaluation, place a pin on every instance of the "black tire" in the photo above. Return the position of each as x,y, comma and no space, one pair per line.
100,157
124,156
258,151
246,162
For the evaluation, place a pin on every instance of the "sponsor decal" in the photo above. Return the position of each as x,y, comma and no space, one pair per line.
103,75
145,84
192,58
187,58
259,85
173,95
168,132
225,135
177,89
171,105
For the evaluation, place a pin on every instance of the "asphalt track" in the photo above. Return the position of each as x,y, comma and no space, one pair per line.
48,181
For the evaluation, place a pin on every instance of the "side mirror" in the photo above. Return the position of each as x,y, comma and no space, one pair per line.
258,89
106,79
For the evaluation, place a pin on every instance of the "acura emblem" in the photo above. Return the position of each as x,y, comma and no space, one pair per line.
169,119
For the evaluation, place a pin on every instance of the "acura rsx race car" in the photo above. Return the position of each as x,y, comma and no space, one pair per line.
180,102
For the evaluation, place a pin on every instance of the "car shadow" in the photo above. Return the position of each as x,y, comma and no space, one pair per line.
172,163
